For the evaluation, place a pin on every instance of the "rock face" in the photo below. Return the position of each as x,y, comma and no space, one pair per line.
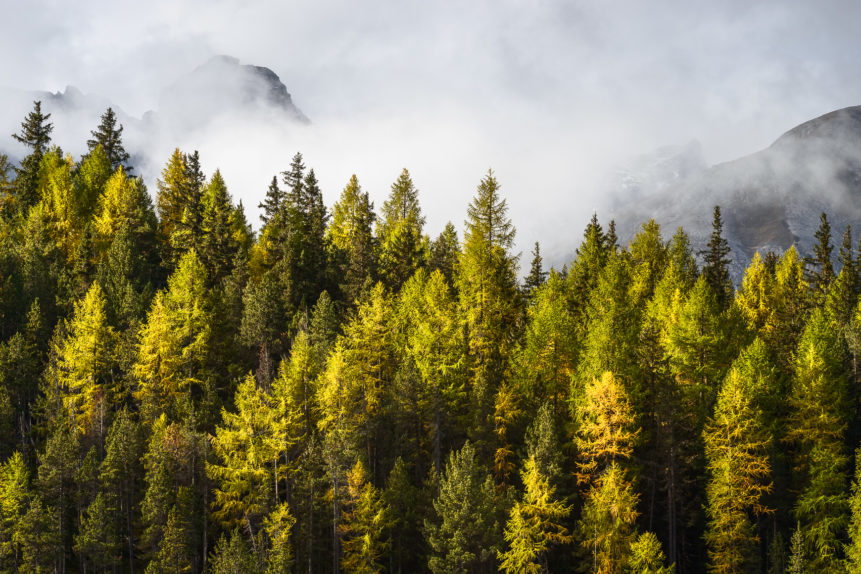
770,200
221,87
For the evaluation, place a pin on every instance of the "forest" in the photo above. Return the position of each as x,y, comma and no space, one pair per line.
340,392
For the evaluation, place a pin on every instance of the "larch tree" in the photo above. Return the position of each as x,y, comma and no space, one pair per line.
85,367
737,442
172,363
364,524
817,425
547,359
432,338
489,299
534,523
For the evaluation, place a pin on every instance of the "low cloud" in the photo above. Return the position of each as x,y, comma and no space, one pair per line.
551,95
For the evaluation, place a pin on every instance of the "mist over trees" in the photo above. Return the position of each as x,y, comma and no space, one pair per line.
341,391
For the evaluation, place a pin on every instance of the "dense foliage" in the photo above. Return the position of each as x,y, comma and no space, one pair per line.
339,392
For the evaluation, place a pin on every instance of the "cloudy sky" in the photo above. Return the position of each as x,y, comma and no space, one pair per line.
550,94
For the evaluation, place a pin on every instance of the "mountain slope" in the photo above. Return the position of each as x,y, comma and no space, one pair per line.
771,199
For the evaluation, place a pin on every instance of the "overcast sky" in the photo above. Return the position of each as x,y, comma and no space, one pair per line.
550,94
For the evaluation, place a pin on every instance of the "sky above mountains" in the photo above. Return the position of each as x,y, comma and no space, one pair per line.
549,94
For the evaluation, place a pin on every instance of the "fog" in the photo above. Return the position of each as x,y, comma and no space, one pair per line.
551,95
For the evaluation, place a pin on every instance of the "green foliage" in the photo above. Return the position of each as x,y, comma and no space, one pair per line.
351,239
364,522
465,532
108,137
534,524
36,135
403,246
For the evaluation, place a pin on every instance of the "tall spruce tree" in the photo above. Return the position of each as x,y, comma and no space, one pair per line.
36,136
402,244
108,136
716,262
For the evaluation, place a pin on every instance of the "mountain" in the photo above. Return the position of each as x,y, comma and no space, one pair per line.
222,86
220,89
770,200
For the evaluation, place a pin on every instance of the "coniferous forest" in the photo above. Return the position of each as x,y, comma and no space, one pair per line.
341,392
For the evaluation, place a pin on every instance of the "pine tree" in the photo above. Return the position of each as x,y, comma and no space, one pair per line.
444,253
465,533
537,275
119,476
716,263
589,260
534,524
219,247
821,268
35,135
271,205
97,540
109,137
402,244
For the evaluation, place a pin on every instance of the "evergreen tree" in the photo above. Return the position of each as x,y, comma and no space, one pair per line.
537,275
272,203
444,253
821,268
716,262
109,137
647,556
351,239
465,533
36,136
219,247
402,244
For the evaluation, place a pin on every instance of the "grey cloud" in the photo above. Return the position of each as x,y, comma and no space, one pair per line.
549,94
